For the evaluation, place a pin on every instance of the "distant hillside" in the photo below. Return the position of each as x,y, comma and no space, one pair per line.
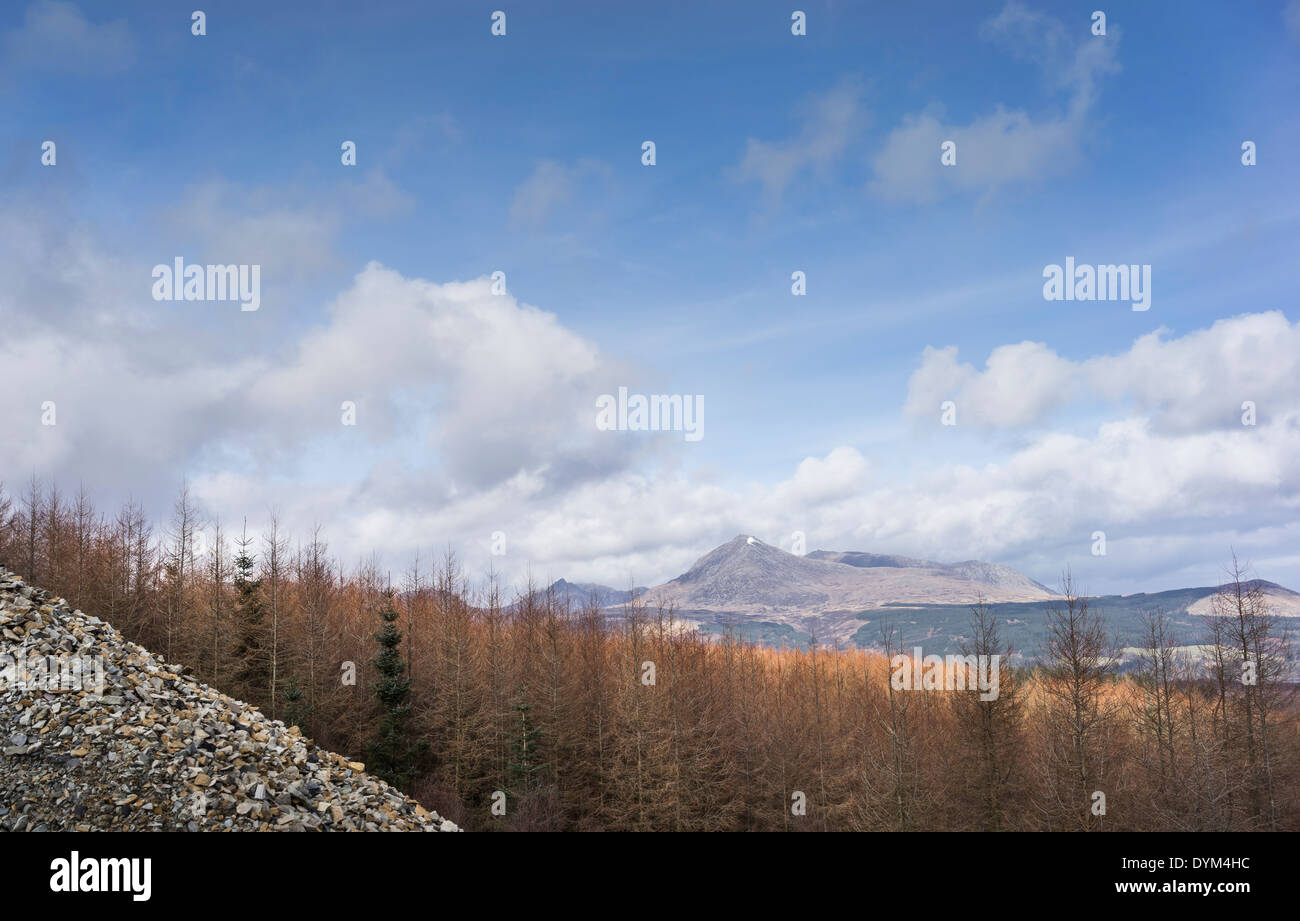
1003,577
579,594
763,593
745,572
942,628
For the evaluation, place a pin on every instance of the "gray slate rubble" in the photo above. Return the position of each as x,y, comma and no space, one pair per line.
158,750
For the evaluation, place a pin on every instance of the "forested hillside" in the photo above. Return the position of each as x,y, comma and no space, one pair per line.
565,718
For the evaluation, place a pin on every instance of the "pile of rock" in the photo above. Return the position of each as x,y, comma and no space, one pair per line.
97,733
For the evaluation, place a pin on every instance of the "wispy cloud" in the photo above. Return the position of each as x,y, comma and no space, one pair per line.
378,196
831,121
56,37
551,186
229,222
1006,145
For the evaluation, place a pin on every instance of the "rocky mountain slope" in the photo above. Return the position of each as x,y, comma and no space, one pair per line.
774,596
990,574
96,733
763,593
746,573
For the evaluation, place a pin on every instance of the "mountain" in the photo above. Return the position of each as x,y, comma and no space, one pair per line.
763,593
580,593
746,573
1003,577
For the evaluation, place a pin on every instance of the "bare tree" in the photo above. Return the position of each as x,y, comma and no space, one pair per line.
990,724
7,525
275,549
1253,659
219,574
32,507
1079,662
178,564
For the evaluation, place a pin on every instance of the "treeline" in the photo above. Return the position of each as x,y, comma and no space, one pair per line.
521,713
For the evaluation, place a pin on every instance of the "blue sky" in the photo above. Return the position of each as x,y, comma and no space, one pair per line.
775,153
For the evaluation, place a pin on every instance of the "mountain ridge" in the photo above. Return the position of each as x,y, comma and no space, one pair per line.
747,571
763,592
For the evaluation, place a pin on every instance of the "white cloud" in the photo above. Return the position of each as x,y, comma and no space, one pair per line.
1124,479
1201,379
1195,382
841,474
1036,508
1020,383
496,386
476,414
459,391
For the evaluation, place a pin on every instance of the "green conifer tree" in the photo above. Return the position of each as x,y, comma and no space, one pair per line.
394,756
296,710
526,765
252,676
